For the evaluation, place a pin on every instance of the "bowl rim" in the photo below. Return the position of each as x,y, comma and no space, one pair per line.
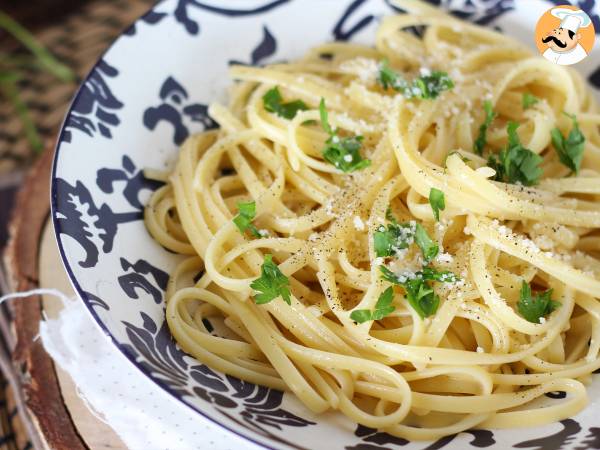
65,261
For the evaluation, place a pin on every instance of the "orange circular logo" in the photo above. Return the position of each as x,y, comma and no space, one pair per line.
565,35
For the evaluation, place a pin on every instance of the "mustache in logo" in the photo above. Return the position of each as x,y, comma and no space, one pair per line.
555,40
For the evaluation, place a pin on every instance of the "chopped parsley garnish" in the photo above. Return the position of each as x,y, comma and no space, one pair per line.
271,284
397,236
244,218
430,86
387,77
388,275
388,241
481,140
437,202
343,153
383,307
426,244
570,150
390,216
421,297
325,118
430,273
515,163
419,293
529,100
532,308
426,86
273,102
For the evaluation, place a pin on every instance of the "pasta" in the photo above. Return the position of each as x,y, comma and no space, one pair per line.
426,209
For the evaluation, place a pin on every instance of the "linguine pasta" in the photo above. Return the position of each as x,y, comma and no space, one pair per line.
504,283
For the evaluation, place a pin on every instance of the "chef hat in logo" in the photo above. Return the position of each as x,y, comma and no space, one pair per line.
571,20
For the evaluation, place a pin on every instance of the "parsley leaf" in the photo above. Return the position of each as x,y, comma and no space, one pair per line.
419,293
387,77
430,273
244,218
325,118
271,283
515,163
437,202
421,297
343,153
529,100
481,140
532,308
383,308
428,247
273,102
390,216
398,236
426,86
570,150
388,241
361,315
431,86
388,275
495,164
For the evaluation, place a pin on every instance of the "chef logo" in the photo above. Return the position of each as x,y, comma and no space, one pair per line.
565,35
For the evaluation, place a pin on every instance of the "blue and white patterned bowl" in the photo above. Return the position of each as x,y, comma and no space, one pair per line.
140,101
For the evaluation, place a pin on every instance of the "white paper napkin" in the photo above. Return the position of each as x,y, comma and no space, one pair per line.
141,413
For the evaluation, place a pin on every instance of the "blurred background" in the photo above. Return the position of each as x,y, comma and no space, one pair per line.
46,48
38,78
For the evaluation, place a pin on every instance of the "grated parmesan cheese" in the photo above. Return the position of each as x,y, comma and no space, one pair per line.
364,68
329,208
444,258
358,223
530,245
405,275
